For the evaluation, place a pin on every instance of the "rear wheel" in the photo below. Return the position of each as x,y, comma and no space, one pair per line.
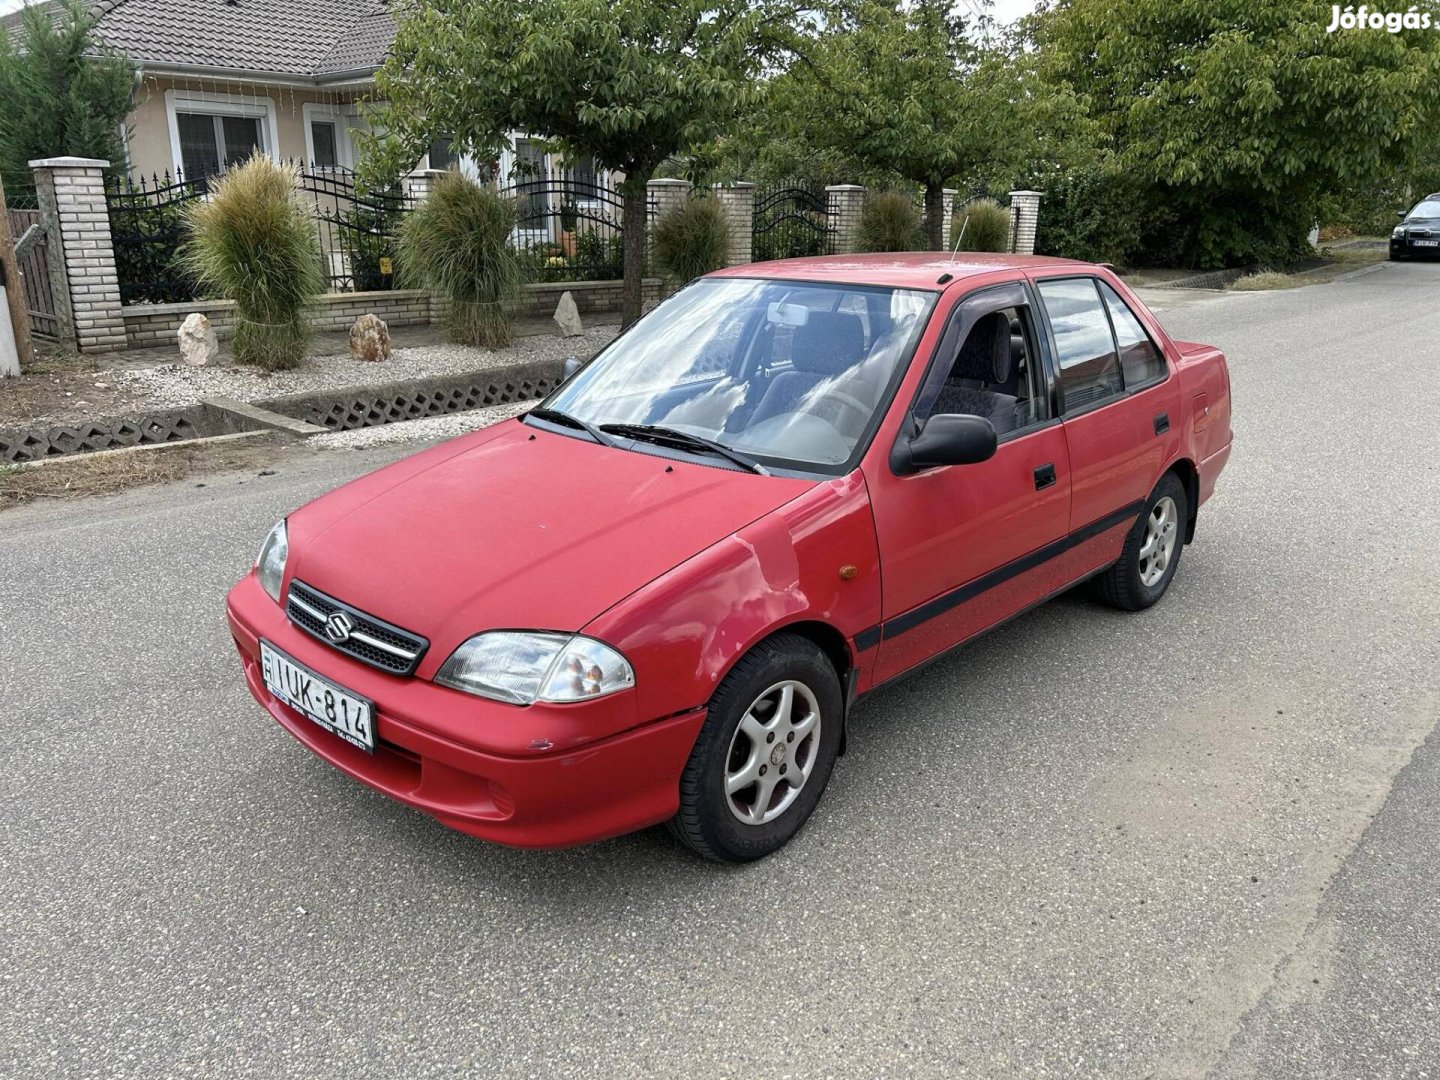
764,754
1152,550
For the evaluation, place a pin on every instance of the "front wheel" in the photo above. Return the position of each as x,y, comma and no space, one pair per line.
1152,550
764,754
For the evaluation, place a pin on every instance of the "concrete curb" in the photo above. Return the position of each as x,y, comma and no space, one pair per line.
244,415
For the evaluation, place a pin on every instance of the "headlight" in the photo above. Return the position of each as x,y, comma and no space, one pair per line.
270,566
1399,231
522,668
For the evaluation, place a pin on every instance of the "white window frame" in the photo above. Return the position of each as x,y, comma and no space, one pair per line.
198,101
344,118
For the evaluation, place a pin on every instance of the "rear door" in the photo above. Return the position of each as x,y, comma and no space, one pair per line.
963,547
1120,405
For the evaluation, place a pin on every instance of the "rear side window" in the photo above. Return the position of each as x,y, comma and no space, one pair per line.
1140,360
1089,366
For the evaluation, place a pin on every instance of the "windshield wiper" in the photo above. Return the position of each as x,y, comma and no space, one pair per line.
659,433
555,416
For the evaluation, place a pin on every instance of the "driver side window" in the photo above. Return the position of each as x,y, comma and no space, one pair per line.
996,373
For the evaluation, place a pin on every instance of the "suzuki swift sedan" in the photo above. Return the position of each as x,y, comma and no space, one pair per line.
658,595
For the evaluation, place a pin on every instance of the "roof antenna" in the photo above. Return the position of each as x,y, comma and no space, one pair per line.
955,251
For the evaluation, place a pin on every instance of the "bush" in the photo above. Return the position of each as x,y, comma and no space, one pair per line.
890,221
254,242
457,244
981,225
691,240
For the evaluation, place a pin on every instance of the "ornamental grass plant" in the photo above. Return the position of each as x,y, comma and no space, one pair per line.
985,224
691,240
457,244
890,221
254,241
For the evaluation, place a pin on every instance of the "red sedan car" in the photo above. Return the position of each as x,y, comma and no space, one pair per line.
657,596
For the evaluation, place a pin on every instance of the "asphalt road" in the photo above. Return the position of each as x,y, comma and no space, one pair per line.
1198,841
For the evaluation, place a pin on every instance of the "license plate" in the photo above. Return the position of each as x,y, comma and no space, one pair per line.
334,709
1427,243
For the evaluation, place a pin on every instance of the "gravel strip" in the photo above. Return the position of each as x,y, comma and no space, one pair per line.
431,428
175,386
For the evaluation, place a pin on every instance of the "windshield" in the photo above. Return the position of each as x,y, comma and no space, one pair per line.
788,372
1430,208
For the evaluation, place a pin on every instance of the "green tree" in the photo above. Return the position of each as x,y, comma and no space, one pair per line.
902,88
1241,117
64,93
629,82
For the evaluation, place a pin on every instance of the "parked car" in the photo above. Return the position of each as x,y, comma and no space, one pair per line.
658,596
1418,233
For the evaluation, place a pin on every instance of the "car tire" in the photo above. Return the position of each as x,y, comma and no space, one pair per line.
744,737
1395,256
1143,572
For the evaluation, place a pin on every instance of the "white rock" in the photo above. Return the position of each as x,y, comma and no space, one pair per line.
370,339
567,317
198,346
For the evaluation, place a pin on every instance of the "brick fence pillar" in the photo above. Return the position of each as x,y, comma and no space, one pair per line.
418,184
666,195
947,231
1024,215
80,255
738,200
843,203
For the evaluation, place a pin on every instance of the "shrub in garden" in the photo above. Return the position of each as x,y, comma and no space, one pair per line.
890,221
985,224
254,242
457,244
691,240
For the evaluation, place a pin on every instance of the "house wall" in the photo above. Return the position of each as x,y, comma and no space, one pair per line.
149,141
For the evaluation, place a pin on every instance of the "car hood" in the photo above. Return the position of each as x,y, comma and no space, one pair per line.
517,527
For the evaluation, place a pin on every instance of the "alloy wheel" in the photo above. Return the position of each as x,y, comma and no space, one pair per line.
1159,545
772,753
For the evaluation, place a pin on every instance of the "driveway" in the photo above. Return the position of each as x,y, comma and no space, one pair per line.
1194,841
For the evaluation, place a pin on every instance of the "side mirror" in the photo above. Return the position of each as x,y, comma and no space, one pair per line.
946,439
1402,214
571,366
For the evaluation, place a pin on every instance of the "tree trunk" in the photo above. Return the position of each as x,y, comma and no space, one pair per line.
636,205
935,215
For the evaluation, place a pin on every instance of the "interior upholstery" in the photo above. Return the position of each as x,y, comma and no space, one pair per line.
986,359
829,344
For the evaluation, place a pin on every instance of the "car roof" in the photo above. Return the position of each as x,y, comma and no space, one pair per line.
901,269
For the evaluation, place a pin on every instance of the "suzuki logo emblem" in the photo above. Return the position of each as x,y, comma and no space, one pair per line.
338,627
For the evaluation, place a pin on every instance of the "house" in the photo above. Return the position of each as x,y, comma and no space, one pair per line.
217,79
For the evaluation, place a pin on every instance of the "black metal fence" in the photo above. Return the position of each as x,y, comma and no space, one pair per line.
356,229
568,229
791,220
147,229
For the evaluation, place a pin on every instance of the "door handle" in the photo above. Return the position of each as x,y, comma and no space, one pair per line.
1162,423
1044,477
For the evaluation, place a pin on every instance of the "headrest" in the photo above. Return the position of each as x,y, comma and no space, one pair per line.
830,342
986,353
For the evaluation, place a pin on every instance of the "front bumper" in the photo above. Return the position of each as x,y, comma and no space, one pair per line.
582,793
1411,247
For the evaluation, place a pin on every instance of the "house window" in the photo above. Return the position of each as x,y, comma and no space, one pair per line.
209,143
442,156
582,172
323,152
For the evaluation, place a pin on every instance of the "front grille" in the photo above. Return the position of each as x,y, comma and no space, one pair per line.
372,641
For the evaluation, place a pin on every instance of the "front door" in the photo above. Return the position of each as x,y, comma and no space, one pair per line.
963,547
